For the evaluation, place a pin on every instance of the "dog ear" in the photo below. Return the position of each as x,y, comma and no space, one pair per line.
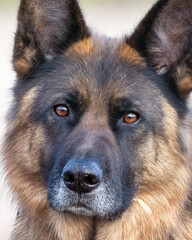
164,38
45,28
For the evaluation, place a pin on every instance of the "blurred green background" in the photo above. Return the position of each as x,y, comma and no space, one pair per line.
8,3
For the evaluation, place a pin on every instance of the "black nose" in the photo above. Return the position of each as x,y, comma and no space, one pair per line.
82,176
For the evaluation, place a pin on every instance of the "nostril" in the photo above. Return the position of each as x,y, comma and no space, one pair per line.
69,177
91,179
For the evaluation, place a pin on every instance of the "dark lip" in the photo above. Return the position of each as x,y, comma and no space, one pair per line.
80,209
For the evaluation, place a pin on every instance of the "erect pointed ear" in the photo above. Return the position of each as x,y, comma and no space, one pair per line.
164,38
45,28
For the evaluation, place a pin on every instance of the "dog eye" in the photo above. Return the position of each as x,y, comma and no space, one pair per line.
130,117
61,110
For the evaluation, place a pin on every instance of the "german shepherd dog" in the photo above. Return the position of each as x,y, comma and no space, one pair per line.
99,139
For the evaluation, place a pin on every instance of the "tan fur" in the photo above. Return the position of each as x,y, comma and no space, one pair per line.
128,53
26,60
83,48
23,65
183,74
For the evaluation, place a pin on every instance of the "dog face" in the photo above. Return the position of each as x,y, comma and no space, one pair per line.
101,123
99,111
95,164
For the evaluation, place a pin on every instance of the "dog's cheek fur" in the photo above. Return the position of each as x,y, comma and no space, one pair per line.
156,198
23,149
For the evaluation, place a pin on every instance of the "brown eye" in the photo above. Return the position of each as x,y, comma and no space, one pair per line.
61,110
130,117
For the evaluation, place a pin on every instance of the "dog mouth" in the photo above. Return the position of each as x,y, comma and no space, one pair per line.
80,209
98,204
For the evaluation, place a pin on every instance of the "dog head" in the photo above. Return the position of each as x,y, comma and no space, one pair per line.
99,118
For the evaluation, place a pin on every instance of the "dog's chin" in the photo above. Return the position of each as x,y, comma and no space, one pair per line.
80,210
83,210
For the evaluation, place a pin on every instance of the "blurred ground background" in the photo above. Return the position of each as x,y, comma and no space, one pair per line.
110,17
